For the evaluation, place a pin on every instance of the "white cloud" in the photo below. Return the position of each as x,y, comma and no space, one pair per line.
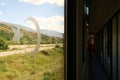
38,2
2,20
2,4
52,23
1,13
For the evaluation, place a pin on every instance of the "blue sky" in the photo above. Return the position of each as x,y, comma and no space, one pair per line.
49,13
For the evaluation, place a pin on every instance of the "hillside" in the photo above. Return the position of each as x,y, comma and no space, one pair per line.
28,37
51,33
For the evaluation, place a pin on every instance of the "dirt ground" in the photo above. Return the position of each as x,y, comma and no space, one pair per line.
20,49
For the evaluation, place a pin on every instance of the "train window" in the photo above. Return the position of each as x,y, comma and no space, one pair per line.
31,39
87,10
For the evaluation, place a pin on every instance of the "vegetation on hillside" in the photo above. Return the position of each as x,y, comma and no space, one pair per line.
3,44
7,34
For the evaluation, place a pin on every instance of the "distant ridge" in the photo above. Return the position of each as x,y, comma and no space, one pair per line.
51,33
29,35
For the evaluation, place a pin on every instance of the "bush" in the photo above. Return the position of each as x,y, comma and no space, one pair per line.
57,46
46,53
3,44
48,75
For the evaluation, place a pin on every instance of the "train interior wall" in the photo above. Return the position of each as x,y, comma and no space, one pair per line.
105,24
108,47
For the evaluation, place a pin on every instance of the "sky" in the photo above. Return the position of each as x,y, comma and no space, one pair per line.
49,13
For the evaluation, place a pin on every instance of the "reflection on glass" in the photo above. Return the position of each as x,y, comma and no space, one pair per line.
18,38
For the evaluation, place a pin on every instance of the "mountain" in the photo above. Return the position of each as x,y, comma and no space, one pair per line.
17,25
50,33
29,35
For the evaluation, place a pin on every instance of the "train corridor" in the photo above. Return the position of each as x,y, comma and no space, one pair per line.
96,71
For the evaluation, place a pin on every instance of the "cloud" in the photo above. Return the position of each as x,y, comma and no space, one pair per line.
39,2
2,4
51,23
1,13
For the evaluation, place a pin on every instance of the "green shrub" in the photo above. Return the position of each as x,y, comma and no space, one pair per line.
57,46
48,75
3,68
46,53
3,44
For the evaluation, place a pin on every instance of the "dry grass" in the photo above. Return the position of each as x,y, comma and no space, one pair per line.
36,67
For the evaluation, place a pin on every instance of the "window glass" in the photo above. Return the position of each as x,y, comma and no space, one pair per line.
31,39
